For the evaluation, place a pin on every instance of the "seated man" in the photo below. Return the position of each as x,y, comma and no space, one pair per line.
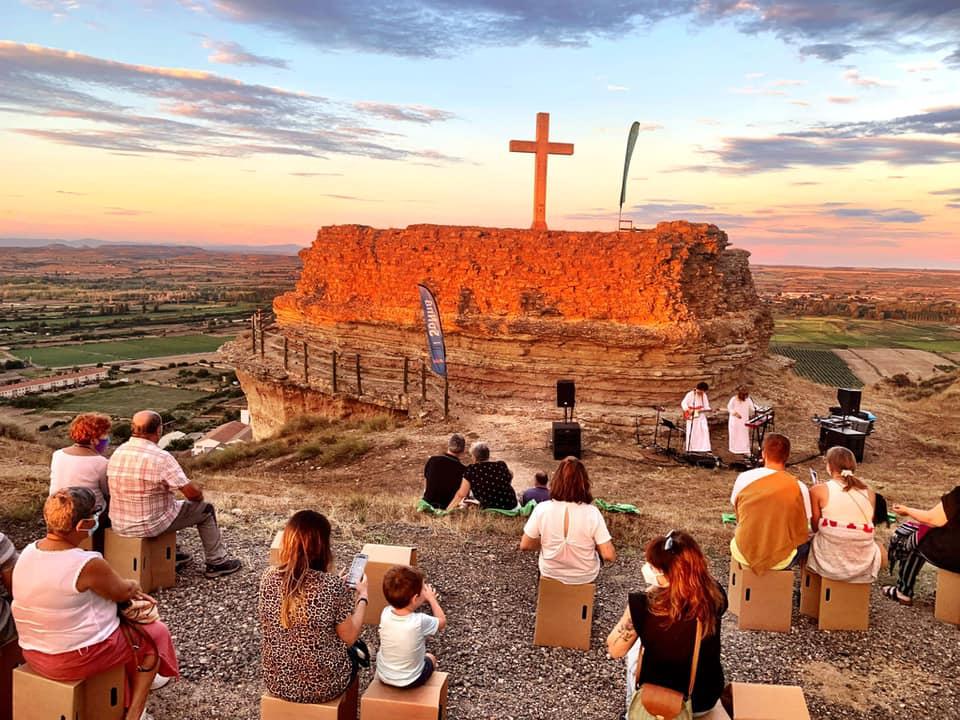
444,473
143,479
8,558
773,512
539,492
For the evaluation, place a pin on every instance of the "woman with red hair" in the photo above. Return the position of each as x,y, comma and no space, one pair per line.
681,605
83,464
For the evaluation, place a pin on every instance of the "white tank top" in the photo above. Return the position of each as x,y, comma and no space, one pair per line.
847,507
51,616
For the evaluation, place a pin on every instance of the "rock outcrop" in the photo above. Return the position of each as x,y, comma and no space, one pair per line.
635,318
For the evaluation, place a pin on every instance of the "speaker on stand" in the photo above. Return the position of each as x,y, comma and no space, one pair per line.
566,434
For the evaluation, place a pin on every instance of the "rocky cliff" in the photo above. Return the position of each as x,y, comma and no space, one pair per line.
635,318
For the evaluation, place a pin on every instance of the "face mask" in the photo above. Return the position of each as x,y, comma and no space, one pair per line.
650,574
102,445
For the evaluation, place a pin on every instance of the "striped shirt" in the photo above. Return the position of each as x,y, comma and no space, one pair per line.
8,558
142,480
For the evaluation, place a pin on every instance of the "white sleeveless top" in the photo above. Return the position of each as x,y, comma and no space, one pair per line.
51,616
89,471
847,507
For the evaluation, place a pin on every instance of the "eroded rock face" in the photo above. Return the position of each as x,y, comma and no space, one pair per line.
635,318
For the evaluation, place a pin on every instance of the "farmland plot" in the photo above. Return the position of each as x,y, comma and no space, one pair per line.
819,365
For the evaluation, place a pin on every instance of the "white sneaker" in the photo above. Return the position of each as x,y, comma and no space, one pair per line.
145,715
158,682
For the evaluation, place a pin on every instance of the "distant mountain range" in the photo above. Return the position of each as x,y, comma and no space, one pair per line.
12,242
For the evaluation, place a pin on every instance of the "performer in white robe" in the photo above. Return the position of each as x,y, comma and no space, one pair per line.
741,408
695,405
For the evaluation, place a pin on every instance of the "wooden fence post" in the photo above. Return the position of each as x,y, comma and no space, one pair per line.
446,396
406,374
423,381
286,353
262,338
253,333
306,364
359,381
333,360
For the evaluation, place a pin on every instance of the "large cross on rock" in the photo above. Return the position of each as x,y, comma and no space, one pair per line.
541,147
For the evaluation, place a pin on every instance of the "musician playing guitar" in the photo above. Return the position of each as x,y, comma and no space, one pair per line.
696,406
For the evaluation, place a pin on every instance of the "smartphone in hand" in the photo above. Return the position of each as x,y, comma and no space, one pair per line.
357,567
814,478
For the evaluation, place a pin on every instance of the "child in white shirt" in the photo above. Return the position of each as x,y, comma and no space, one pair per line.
402,660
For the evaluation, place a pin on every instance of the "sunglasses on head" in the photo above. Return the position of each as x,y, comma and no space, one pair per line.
668,542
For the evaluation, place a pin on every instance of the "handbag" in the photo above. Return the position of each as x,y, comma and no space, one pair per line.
655,702
134,614
140,612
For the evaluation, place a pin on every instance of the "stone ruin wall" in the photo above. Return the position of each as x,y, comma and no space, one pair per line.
635,318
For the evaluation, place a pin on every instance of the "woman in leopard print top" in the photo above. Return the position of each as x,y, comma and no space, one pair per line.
309,617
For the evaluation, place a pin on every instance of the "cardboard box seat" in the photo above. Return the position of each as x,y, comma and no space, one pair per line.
97,698
836,605
564,614
381,558
947,604
768,702
760,602
275,548
152,562
343,707
427,702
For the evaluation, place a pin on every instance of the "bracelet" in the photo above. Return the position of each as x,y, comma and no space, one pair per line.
363,599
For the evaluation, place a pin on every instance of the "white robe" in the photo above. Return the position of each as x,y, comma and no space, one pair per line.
738,431
697,429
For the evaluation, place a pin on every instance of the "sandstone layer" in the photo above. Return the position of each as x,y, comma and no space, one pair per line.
634,318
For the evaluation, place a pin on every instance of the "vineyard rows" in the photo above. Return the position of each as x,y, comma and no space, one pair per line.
821,366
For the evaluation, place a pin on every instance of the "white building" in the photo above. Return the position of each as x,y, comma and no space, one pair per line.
54,382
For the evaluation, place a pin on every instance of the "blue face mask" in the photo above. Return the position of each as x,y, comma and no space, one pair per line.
102,445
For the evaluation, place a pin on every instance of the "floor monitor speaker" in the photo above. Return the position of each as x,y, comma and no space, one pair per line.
566,440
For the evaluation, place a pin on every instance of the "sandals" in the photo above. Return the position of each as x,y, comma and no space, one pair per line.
890,591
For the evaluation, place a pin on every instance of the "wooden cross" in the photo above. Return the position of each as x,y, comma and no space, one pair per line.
541,147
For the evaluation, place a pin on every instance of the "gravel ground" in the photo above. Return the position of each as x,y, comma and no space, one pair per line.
905,665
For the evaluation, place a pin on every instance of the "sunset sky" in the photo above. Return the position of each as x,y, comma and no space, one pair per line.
817,132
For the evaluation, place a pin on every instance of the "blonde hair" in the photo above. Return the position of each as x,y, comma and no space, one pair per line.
842,460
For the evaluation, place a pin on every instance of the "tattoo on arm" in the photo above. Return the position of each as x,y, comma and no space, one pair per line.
625,631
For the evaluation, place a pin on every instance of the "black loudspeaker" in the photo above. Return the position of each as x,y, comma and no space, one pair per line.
852,440
566,439
566,393
849,400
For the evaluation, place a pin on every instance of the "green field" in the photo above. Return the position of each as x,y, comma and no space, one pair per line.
822,366
125,401
107,352
845,333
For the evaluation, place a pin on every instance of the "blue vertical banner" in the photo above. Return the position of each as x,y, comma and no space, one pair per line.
431,322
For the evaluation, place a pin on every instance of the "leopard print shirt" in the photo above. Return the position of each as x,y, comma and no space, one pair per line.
307,663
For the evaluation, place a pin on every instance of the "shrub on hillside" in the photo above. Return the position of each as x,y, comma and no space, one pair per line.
15,432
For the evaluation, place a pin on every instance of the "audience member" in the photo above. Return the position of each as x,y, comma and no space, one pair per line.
443,474
539,493
569,530
402,660
8,558
681,600
66,611
143,479
83,464
773,512
843,546
933,538
310,619
489,481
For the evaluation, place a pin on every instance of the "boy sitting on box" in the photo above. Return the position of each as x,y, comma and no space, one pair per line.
402,660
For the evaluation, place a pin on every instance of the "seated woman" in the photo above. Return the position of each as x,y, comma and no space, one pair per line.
489,481
83,464
933,538
843,545
681,598
309,617
569,530
65,607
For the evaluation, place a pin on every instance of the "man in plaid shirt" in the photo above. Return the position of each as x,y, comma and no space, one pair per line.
143,480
